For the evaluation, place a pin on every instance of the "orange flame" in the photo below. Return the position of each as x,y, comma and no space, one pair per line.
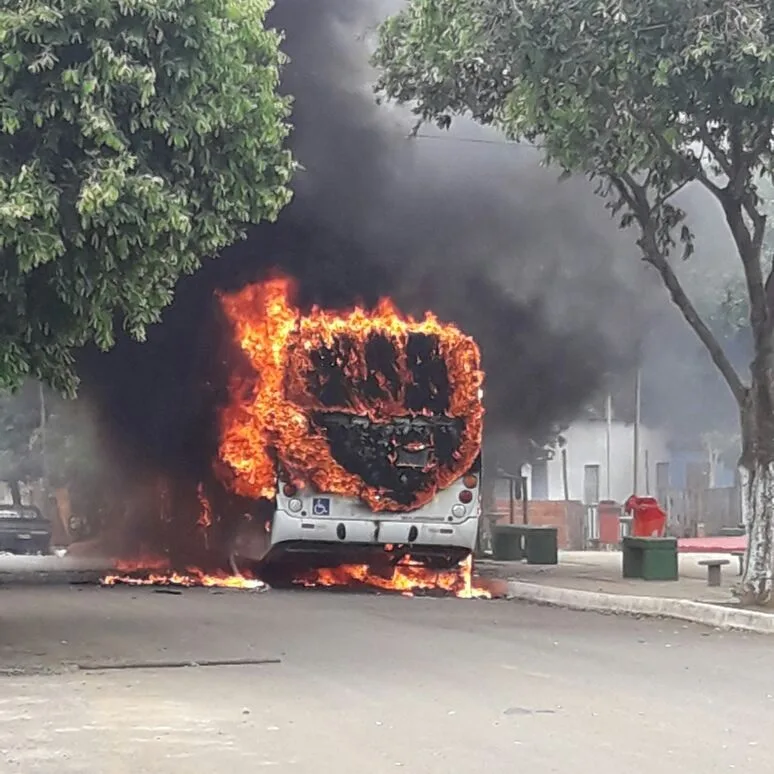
268,421
155,572
204,522
205,514
407,577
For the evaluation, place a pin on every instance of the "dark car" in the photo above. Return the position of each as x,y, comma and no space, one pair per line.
24,530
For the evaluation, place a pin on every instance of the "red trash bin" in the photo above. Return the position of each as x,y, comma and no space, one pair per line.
648,518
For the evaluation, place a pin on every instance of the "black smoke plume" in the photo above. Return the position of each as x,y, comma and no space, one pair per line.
462,223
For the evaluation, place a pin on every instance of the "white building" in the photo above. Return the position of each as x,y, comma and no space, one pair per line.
600,464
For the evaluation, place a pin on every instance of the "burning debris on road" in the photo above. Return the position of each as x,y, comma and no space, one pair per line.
150,573
204,528
407,577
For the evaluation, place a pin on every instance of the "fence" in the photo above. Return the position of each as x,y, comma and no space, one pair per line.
687,509
713,508
591,526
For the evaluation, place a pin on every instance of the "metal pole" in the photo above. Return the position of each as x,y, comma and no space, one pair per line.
636,450
609,441
647,473
565,476
524,500
43,455
511,500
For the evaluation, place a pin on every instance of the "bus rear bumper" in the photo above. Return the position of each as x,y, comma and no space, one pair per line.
364,532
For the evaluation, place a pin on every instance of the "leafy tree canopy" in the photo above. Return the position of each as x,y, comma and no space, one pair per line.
136,137
643,96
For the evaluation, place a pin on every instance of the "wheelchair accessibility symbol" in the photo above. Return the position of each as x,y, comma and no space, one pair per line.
321,506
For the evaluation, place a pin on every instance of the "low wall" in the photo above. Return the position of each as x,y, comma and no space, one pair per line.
566,516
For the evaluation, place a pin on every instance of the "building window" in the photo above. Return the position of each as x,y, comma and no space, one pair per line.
590,484
539,483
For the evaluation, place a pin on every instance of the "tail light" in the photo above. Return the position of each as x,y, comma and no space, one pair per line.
466,496
470,481
289,490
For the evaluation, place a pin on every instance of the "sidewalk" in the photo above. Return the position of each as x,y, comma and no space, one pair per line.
592,580
601,571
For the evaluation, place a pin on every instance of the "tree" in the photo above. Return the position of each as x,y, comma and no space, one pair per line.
644,98
136,138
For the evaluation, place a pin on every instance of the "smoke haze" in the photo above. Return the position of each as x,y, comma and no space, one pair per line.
461,222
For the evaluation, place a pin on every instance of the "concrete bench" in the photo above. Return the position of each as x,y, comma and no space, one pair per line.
713,570
740,557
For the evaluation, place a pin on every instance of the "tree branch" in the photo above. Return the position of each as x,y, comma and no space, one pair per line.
739,166
737,169
723,161
759,231
768,289
639,197
759,141
636,198
691,315
691,169
668,195
735,197
749,247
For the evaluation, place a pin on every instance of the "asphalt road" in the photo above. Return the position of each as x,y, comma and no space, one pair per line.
370,684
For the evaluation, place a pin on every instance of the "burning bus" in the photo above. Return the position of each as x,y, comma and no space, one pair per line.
363,428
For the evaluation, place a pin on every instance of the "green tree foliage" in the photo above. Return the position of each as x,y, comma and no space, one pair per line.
645,97
136,138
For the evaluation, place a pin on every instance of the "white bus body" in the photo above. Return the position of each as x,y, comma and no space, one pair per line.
314,522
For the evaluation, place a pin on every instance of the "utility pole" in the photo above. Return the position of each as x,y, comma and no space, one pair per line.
608,442
636,450
43,454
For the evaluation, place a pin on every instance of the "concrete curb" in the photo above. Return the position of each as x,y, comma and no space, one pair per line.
717,616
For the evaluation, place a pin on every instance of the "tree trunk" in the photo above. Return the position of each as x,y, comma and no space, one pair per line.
757,480
15,492
756,475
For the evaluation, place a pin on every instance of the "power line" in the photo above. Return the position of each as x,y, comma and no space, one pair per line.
450,138
475,141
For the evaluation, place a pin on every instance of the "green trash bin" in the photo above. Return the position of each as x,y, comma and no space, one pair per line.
541,545
506,542
650,558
